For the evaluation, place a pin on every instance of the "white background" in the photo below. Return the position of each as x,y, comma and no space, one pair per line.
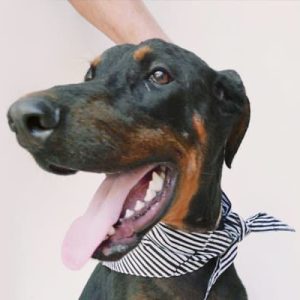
45,42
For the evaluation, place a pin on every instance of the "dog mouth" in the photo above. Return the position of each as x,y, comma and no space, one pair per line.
59,170
124,208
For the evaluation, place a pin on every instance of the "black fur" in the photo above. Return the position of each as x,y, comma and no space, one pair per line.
119,118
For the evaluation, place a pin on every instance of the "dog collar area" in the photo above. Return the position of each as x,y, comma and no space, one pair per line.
166,252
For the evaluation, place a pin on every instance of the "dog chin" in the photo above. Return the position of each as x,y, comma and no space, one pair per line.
56,169
110,251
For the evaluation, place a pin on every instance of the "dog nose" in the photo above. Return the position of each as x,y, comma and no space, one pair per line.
33,119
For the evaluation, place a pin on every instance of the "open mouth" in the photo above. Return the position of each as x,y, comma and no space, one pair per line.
124,208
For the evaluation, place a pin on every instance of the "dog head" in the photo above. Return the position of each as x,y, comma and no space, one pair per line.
159,122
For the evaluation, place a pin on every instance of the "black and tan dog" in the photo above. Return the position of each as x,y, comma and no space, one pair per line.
142,111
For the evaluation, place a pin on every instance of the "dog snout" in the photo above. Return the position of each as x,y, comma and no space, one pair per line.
33,119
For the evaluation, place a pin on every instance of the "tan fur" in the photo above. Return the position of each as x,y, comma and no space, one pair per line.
190,165
140,53
188,185
198,125
189,159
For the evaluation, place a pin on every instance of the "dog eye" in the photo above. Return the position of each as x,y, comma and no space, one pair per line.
90,74
160,76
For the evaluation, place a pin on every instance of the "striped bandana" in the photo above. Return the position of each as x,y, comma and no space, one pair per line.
167,252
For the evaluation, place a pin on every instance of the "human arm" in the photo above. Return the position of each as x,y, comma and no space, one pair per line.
123,21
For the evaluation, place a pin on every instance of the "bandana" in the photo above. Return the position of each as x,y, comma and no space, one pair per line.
168,252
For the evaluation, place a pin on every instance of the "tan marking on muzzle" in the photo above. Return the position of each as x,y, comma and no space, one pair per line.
140,143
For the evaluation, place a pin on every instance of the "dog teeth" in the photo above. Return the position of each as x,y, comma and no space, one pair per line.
155,186
149,195
139,205
129,213
156,183
111,231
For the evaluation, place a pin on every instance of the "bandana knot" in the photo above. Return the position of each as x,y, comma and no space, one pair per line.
167,252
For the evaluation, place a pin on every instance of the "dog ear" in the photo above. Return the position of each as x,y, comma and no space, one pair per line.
234,106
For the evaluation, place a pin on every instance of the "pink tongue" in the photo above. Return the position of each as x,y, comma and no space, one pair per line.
88,231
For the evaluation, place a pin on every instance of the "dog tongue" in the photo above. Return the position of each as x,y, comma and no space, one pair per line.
88,231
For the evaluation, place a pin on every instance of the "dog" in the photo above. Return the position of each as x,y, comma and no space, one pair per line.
160,123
